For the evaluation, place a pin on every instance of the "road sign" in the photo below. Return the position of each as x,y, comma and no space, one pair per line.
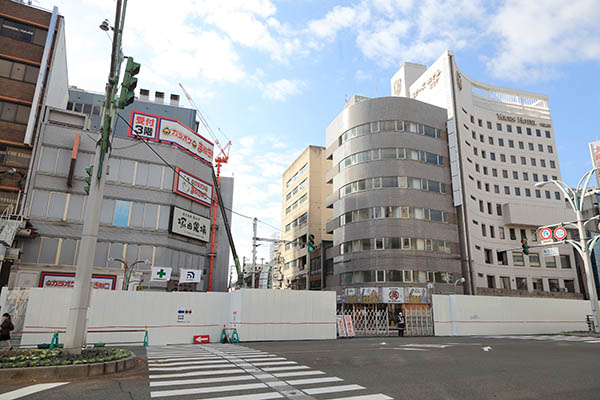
560,233
547,241
546,234
550,252
201,339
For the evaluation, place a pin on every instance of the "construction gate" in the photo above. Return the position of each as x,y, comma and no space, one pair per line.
381,319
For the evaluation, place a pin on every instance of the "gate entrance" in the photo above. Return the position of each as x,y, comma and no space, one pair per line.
382,319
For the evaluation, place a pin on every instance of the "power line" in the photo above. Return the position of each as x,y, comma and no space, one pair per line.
144,140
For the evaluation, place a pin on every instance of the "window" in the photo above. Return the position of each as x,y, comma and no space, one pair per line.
496,189
11,112
518,259
557,195
538,194
552,164
523,161
502,157
525,176
509,128
570,285
519,129
538,284
121,213
483,230
491,281
489,125
550,262
541,148
501,256
485,170
547,194
521,145
521,283
530,146
480,122
506,190
517,191
553,285
499,209
498,126
494,172
492,232
533,235
528,131
542,163
515,175
513,235
489,259
513,159
548,134
491,140
535,178
511,143
501,233
505,174
492,156
527,192
565,262
504,282
533,162
538,133
500,142
534,259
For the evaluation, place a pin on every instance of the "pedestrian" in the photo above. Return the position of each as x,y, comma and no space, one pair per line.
401,324
5,329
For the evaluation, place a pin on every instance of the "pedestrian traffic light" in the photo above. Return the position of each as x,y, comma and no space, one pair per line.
525,246
129,83
311,243
88,179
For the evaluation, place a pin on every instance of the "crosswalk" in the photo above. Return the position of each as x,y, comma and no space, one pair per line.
235,372
557,338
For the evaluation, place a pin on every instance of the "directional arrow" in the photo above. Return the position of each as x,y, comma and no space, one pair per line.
486,348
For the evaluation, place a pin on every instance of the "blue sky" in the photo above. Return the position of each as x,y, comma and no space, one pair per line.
273,74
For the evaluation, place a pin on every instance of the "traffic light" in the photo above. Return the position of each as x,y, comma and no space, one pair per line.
88,179
311,243
525,246
129,83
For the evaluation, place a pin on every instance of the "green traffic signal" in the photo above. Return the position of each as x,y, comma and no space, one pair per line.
525,246
88,179
311,243
129,83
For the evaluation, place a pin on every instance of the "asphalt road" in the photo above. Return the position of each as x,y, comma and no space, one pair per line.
402,368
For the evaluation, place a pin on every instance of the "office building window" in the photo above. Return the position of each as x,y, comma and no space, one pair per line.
552,164
550,262
537,284
543,163
538,194
501,233
480,122
530,145
548,134
492,156
523,161
541,148
494,172
521,283
499,209
527,192
496,189
505,174
502,157
518,259
504,282
547,194
506,190
538,133
501,256
513,235
533,162
513,159
498,126
489,125
509,128
553,285
534,259
570,285
535,178
521,145
483,230
491,140
557,195
525,176
565,262
491,281
528,131
501,142
519,129
533,235
511,143
515,175
489,259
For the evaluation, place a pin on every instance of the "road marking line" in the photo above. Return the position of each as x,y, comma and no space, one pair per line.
409,349
378,396
311,381
301,373
593,341
228,388
434,346
198,373
271,369
259,364
262,358
202,381
161,359
15,394
190,367
173,364
333,389
257,396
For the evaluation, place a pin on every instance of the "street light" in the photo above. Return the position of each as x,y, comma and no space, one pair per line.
128,270
461,280
584,246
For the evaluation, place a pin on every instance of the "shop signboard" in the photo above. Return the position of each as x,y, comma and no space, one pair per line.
416,295
192,187
369,295
392,295
67,280
349,326
167,130
341,328
187,223
352,295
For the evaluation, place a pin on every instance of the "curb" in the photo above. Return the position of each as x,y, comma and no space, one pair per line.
68,371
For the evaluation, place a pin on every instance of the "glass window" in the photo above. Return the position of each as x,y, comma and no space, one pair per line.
121,213
534,260
504,282
550,262
553,285
565,262
538,284
521,283
395,276
518,259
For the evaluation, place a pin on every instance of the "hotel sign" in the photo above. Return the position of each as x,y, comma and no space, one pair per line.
521,120
192,187
167,130
187,223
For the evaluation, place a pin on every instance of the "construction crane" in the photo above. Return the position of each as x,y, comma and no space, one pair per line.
221,159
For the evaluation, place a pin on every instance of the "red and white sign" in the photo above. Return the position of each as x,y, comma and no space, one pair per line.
392,295
546,234
560,233
341,328
159,129
67,280
192,187
595,153
198,339
349,326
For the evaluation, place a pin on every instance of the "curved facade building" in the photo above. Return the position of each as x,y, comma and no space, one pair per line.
393,222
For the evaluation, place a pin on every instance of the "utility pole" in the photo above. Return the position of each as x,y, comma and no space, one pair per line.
254,229
80,300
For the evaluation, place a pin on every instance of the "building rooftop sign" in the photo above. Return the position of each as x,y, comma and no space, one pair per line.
167,130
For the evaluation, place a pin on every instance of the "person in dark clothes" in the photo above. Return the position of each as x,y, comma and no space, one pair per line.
401,324
5,329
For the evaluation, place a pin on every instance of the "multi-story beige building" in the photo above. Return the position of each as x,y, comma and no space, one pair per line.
303,213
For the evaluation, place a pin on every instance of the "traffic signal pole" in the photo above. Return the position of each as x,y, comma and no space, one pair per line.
80,300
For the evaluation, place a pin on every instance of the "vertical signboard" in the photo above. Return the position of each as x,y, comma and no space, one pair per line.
595,154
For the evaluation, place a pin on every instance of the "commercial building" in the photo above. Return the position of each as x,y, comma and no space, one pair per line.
145,199
303,213
394,225
32,74
501,142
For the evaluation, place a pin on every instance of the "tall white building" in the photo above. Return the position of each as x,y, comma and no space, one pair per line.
501,142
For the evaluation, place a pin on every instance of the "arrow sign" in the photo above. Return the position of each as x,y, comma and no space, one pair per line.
546,234
560,233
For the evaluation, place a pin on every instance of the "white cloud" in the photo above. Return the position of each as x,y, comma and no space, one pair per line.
280,90
536,37
336,19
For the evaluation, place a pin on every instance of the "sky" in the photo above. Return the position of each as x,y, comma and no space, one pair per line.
271,75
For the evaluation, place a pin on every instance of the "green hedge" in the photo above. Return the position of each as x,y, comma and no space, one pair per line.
45,358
